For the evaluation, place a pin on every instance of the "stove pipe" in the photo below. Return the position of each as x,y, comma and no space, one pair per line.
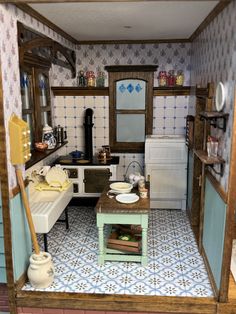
88,134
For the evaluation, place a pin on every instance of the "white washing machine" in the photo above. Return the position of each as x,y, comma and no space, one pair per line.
166,170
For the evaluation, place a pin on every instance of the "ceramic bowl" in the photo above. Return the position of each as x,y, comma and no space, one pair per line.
40,146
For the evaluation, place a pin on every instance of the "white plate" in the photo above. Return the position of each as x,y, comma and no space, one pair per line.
121,187
220,96
56,177
127,198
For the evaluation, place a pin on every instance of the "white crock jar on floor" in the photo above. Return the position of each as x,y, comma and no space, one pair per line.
41,270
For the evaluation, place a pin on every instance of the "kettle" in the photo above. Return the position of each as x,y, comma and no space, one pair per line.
60,134
48,137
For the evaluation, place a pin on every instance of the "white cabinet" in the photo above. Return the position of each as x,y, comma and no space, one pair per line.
77,176
166,169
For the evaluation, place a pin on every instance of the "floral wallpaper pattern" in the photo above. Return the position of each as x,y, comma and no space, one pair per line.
214,60
9,15
167,56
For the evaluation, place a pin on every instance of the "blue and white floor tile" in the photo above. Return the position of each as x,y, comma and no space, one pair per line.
175,267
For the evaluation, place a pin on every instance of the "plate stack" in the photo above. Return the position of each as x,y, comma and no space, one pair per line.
121,187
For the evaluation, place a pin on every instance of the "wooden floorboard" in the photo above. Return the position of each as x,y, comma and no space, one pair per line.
101,302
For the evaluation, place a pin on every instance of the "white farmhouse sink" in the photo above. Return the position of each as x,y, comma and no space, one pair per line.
47,206
43,196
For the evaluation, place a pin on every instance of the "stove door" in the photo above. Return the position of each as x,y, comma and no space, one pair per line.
95,180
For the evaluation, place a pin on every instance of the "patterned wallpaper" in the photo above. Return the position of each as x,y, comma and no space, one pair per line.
95,57
9,15
167,56
214,60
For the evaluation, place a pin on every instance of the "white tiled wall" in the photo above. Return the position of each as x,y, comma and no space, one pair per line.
169,114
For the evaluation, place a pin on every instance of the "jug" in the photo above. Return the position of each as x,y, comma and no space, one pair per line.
60,134
48,137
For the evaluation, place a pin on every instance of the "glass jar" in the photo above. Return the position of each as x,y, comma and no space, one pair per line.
179,78
82,82
171,78
91,81
162,78
100,79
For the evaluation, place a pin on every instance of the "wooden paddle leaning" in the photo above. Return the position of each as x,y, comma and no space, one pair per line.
27,210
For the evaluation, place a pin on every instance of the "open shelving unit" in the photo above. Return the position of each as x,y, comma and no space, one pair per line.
211,161
215,118
104,91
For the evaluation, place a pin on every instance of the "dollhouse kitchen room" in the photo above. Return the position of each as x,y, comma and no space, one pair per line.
117,181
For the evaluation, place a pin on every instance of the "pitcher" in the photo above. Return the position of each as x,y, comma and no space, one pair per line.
48,137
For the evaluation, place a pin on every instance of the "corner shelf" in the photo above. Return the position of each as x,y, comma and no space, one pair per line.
210,161
213,117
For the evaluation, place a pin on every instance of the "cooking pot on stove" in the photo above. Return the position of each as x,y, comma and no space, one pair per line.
77,154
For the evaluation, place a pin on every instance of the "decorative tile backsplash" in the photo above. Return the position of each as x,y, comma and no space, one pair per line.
169,118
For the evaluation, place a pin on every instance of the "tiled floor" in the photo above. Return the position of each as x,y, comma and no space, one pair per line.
175,267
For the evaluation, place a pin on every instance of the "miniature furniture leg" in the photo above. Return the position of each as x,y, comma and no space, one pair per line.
121,218
101,247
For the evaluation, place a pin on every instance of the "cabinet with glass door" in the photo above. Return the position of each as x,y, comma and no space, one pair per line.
36,103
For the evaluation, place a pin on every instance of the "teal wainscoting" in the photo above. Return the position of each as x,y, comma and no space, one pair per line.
21,241
214,230
3,278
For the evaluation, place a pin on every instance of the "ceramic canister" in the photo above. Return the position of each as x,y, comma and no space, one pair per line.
41,270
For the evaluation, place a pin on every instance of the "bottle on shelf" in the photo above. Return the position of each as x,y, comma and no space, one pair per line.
171,78
162,79
91,82
179,78
82,82
100,82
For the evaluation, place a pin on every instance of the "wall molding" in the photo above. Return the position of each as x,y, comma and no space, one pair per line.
210,17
